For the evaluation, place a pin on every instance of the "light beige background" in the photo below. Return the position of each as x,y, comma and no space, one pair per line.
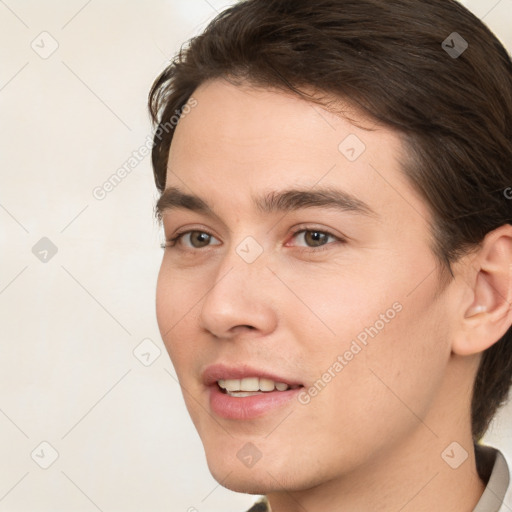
69,326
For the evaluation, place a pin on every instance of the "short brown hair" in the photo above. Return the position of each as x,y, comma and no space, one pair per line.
391,58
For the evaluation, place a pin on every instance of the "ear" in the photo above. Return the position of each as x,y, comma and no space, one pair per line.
485,312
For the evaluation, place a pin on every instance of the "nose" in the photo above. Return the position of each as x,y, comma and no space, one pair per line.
240,299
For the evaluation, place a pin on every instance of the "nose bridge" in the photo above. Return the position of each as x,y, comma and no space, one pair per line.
239,297
244,263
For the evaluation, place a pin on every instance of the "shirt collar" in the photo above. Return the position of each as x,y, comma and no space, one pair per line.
493,469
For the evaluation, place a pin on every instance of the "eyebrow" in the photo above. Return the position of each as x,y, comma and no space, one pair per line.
271,202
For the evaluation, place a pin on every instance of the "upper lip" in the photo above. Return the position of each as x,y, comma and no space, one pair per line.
221,371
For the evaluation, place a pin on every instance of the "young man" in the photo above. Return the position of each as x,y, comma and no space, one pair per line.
336,284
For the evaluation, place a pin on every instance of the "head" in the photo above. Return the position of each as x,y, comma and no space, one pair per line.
343,177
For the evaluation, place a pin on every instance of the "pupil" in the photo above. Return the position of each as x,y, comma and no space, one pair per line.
202,237
317,237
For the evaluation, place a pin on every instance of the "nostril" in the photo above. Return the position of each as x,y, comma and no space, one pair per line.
238,327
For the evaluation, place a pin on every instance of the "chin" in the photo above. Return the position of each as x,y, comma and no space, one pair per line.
243,485
257,482
264,477
234,475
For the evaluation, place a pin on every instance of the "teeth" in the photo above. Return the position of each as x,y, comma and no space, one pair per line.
266,385
242,394
232,385
251,385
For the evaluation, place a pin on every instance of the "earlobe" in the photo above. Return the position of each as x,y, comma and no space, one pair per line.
489,315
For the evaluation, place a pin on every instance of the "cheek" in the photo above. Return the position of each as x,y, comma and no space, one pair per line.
398,367
391,334
174,309
333,304
381,393
166,306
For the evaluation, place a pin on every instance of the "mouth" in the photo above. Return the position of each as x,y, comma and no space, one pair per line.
243,393
252,386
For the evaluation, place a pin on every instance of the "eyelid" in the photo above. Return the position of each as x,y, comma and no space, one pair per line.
176,238
308,228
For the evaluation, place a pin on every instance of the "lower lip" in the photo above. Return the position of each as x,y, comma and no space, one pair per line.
248,407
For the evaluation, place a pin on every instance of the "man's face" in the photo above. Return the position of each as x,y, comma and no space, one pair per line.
339,303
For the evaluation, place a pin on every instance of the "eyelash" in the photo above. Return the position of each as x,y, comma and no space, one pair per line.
174,241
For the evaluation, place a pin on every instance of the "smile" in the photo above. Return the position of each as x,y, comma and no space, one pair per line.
251,386
240,392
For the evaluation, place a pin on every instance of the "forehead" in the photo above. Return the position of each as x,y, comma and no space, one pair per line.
239,140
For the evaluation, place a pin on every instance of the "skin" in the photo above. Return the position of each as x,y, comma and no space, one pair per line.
372,438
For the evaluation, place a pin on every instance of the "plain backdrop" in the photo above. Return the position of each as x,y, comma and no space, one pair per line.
91,416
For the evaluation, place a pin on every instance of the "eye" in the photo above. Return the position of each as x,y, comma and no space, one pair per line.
196,239
314,237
